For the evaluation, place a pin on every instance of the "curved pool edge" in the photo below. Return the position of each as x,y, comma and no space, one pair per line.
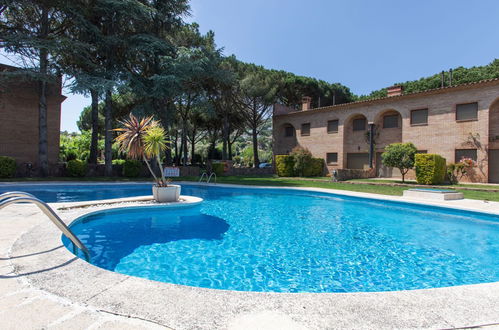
61,273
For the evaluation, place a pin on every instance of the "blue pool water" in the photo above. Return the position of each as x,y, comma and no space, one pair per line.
52,193
295,241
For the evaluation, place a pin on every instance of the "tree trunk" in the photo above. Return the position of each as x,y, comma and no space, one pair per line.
108,151
256,160
193,144
254,128
42,106
225,136
95,127
184,143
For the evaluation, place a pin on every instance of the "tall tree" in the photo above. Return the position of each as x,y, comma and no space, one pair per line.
258,94
33,30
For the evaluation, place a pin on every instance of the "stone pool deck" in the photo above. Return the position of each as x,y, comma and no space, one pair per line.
43,285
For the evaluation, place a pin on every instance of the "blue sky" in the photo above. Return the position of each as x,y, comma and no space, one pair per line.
365,45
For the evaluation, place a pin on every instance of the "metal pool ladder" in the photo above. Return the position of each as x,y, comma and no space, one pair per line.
208,178
15,197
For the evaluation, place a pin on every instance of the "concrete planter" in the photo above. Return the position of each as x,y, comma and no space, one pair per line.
171,193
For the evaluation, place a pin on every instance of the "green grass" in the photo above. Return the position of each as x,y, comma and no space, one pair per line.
287,182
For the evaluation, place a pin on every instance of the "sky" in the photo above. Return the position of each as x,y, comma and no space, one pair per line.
362,44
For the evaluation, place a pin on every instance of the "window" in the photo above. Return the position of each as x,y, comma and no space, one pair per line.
465,153
305,129
467,111
289,131
359,124
332,126
331,158
391,121
419,117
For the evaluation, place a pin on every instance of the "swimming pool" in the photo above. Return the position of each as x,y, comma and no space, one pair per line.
281,240
61,192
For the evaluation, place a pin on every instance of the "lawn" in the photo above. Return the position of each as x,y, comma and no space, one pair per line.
291,182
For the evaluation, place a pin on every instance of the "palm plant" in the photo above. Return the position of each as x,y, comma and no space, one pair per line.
142,139
154,144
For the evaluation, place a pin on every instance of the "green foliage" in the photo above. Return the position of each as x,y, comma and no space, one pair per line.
75,146
302,159
430,168
460,75
401,156
218,168
284,165
455,172
119,161
132,168
314,168
7,167
77,168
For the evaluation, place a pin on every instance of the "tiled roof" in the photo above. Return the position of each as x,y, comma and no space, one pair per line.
420,93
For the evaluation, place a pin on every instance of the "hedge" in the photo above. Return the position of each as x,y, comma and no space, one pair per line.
314,168
430,169
218,168
284,165
77,168
132,168
7,167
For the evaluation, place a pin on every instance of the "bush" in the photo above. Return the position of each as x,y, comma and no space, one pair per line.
7,167
455,172
430,168
302,158
218,168
315,167
284,165
77,168
119,161
132,168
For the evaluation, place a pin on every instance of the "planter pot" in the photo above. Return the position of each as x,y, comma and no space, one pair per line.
166,194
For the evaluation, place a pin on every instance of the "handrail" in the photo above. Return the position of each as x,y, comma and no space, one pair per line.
20,197
202,176
209,179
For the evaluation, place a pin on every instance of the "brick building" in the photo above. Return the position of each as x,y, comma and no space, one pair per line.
19,118
454,122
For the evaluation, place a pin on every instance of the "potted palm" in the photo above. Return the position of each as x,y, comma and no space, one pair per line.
145,139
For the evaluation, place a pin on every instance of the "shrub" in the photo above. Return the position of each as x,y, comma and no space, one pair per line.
77,168
284,165
315,167
401,156
7,167
119,161
218,168
455,172
302,158
430,169
132,168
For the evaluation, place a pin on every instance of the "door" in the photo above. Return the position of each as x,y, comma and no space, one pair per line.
494,165
383,171
357,161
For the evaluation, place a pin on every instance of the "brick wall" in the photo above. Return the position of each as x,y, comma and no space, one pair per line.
442,135
19,120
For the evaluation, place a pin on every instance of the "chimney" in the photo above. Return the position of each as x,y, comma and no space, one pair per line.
306,103
395,90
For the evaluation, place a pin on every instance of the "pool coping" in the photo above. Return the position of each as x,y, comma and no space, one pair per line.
57,271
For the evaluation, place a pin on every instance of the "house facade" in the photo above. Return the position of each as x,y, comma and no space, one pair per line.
454,122
19,118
